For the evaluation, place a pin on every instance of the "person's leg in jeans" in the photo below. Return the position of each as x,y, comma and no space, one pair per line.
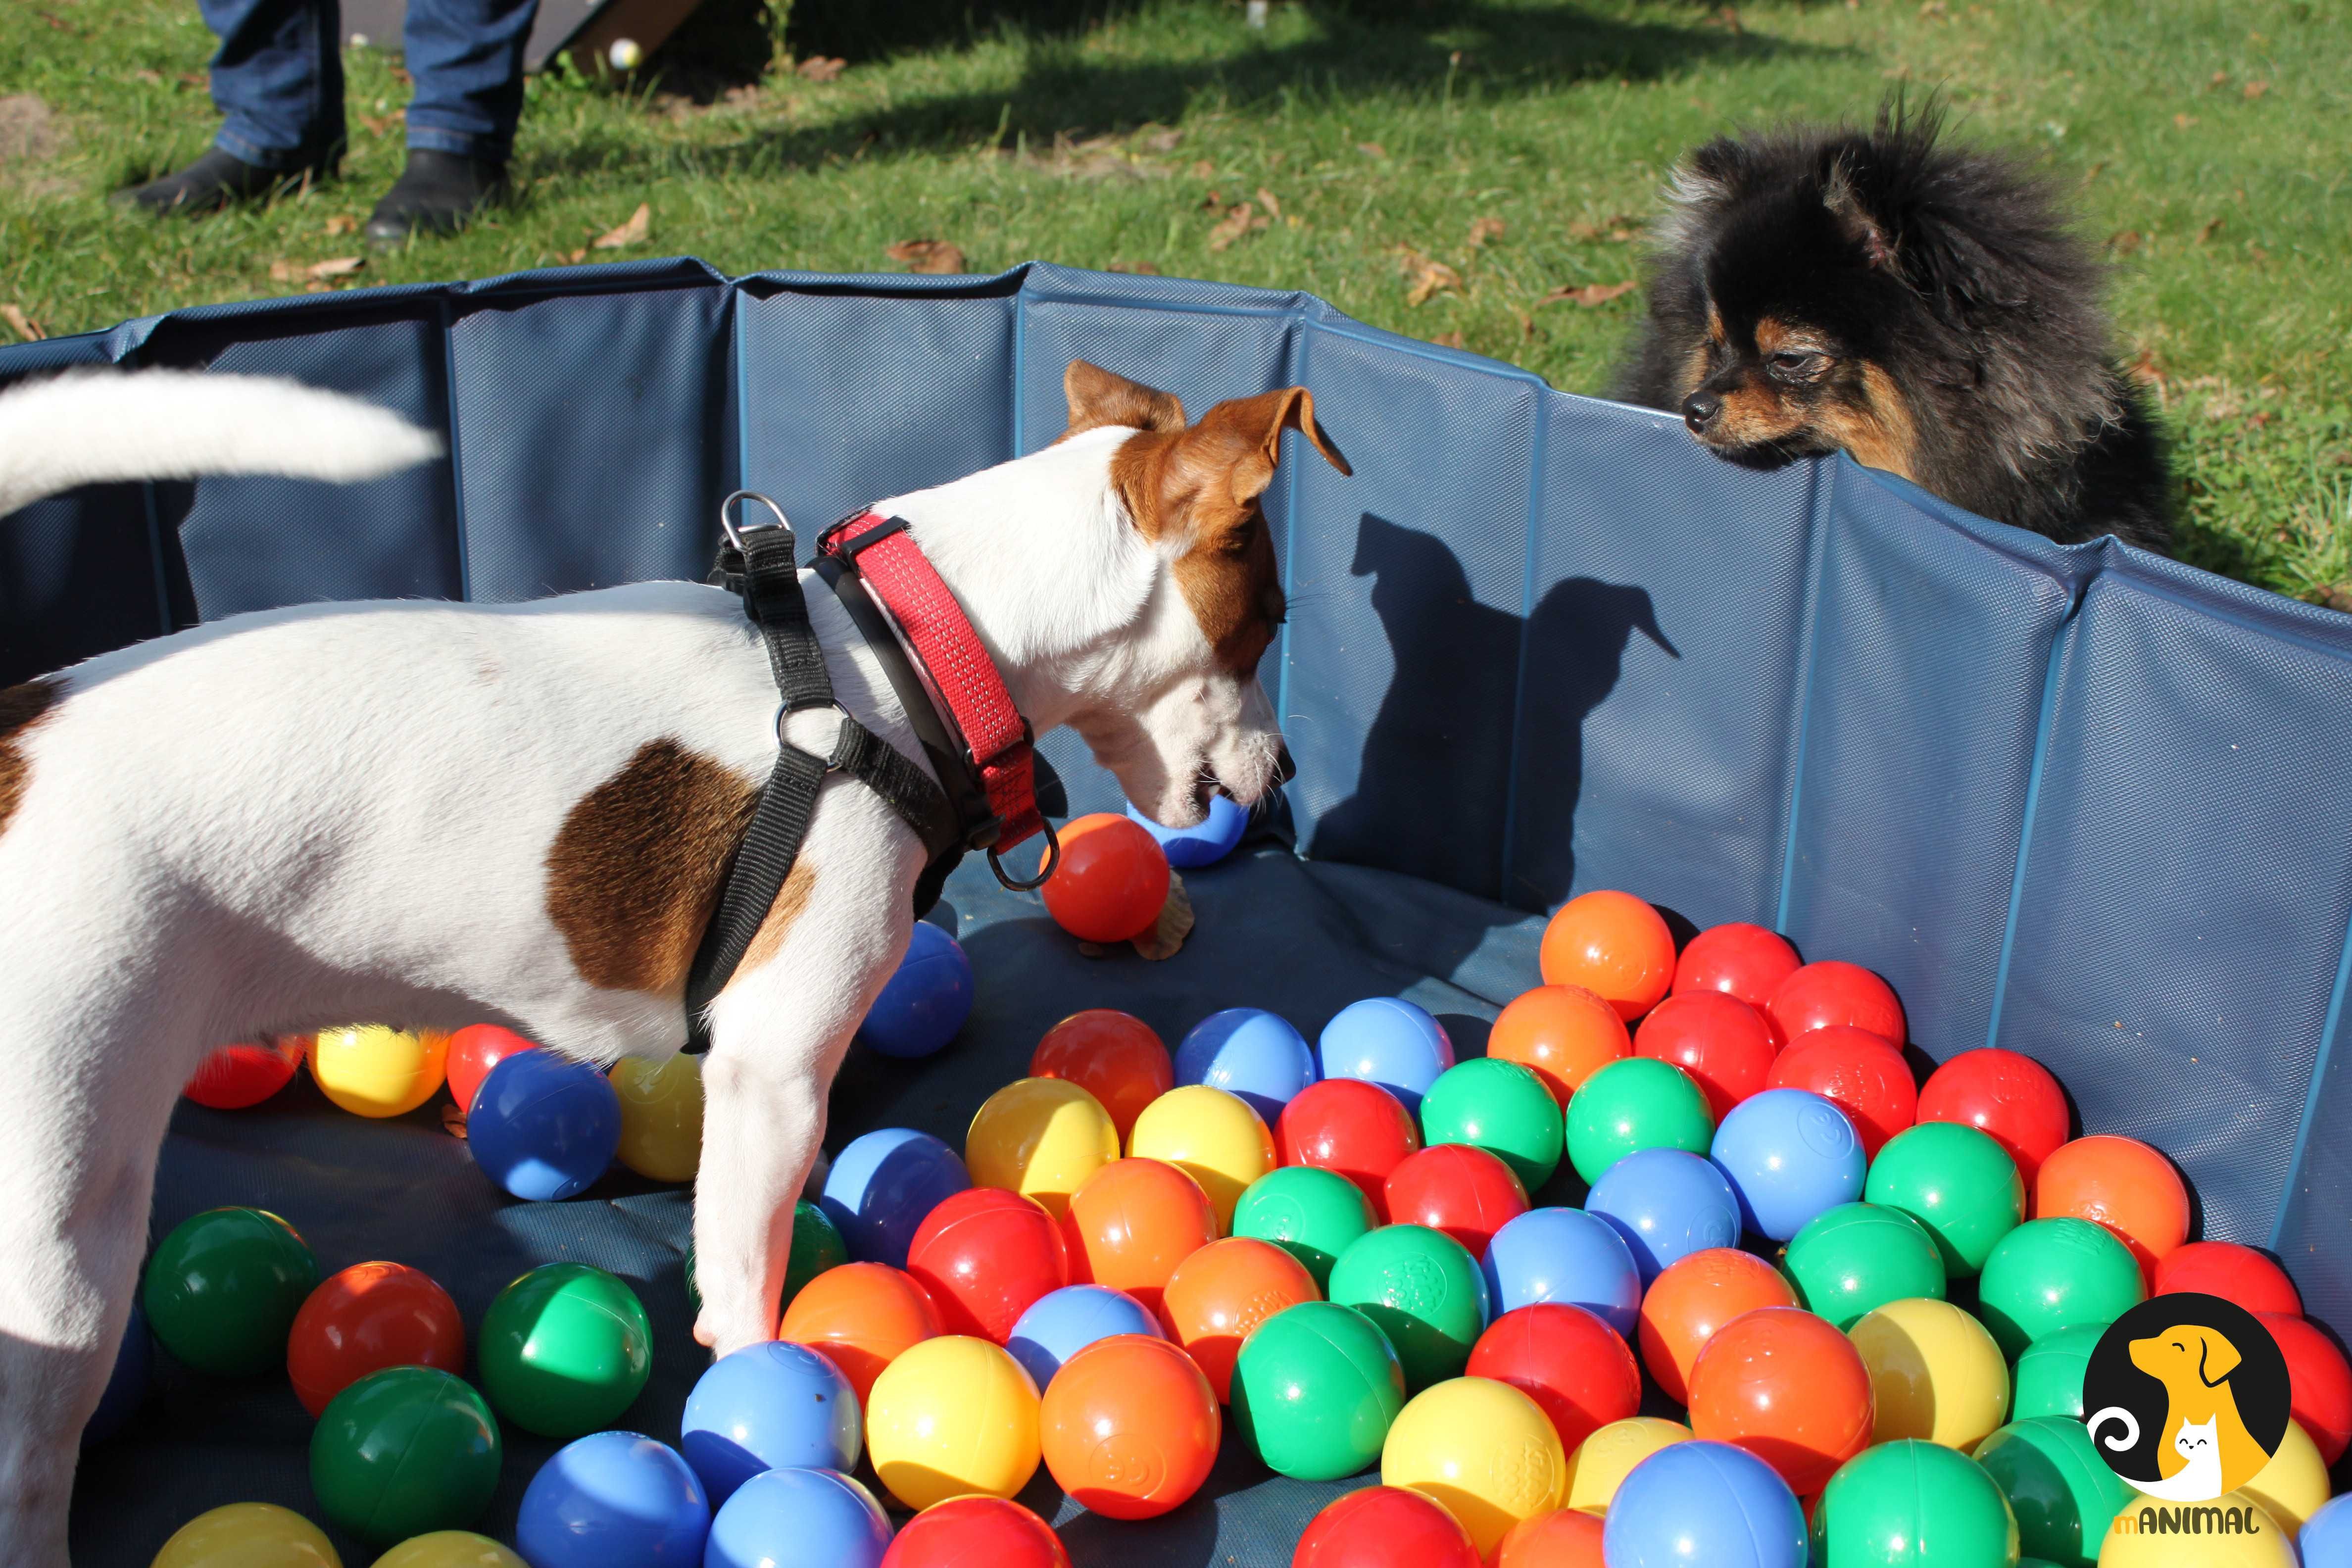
465,56
279,83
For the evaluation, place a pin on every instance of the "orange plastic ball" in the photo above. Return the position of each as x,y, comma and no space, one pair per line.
1692,1298
861,1317
1131,1222
1116,1056
1569,1538
1613,944
1787,1387
367,1317
1218,1296
1562,1033
1130,1427
1111,882
2123,1184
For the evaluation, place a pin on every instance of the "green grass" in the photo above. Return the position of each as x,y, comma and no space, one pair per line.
2205,140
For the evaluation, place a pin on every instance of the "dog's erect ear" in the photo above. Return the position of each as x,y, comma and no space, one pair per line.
1871,232
1099,397
1242,439
2218,1357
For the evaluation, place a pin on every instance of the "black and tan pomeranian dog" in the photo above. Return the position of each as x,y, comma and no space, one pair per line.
1918,305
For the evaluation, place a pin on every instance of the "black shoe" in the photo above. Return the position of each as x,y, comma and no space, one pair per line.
217,180
438,192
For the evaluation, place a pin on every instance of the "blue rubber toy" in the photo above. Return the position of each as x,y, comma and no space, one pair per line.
1205,844
1789,1155
2326,1538
772,1407
612,1499
1667,1204
1389,1041
798,1519
126,1385
1703,1505
1249,1052
884,1185
1061,1323
925,1001
544,1126
1563,1255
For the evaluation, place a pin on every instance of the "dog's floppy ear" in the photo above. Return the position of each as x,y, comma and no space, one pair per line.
1099,397
2217,1358
1243,437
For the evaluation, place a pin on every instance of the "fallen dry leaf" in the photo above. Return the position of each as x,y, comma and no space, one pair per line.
2183,121
1234,225
1162,140
453,1121
1617,229
342,224
2256,89
926,256
2220,78
1483,230
1371,149
1452,340
1428,277
633,232
819,67
1141,269
2339,597
22,324
2211,228
384,124
154,77
317,271
2124,241
1585,296
194,80
1213,202
1202,168
1265,199
577,257
1166,937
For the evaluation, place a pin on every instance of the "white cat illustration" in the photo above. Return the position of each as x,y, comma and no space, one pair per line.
2199,1444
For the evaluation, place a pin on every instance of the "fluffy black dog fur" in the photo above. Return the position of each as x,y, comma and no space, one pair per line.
1922,306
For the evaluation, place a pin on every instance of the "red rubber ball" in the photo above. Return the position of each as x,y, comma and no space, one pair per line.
1739,960
2316,1370
1111,881
1727,1046
1859,1073
2235,1273
1350,1127
2011,1098
235,1077
1462,1191
1830,992
986,1256
976,1533
1384,1526
1576,1367
365,1319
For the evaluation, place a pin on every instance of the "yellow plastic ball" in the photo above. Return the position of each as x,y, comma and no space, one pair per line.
661,1116
371,1070
1603,1460
952,1417
1934,1373
2293,1485
450,1549
1481,1449
2264,1545
1213,1136
248,1535
1040,1137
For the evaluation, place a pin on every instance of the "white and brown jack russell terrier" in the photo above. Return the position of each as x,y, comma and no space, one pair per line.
433,814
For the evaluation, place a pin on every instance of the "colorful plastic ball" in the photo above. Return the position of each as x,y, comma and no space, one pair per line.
1725,1046
926,999
1789,1155
1113,1055
1562,1033
774,1405
1934,1373
1955,1180
1578,1370
2011,1098
951,1418
1667,1204
1384,1526
1112,881
1858,1072
2052,1274
2321,1382
661,1116
1465,1192
235,1077
450,1549
1564,1538
1314,1391
1419,1288
984,1254
1312,1215
883,1185
1603,1461
817,1247
861,1317
404,1451
543,1126
1706,1505
1130,1427
798,1518
2326,1540
368,1317
1205,844
1613,945
126,1383
2123,1184
1482,1449
1501,1107
1060,1324
1831,992
224,1288
374,1071
1222,1294
976,1533
1213,1137
614,1500
1686,1306
1787,1386
2231,1271
2059,1488
564,1350
1738,959
2047,1379
472,1052
1250,1052
1564,1254
1854,1258
1354,1128
2264,1545
1388,1041
1132,1223
1913,1505
1633,1105
248,1535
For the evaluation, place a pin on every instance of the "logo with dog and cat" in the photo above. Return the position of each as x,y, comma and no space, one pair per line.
2187,1399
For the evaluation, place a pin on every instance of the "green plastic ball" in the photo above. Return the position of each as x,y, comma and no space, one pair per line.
1422,1289
1849,1261
2062,1493
1912,1504
223,1289
1315,1389
564,1350
2049,1375
817,1247
1634,1104
1957,1183
2053,1274
1313,1215
1500,1106
404,1451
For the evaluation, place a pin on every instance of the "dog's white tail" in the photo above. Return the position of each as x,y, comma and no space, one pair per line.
106,426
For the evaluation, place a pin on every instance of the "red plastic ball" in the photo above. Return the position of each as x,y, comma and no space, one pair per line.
2321,1380
367,1317
1116,1056
1565,1538
1356,1129
234,1076
976,1533
1613,944
2011,1098
985,1256
1722,1043
1112,879
1462,1191
1830,992
1739,960
1385,1526
1692,1299
1787,1387
2236,1274
474,1050
1859,1073
1577,1368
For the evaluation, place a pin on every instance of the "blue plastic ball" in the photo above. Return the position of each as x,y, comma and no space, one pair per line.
126,1385
772,1407
925,1001
614,1500
1563,1255
1205,844
1667,1204
1789,1155
1388,1041
798,1518
2326,1538
1061,1323
1249,1052
1703,1505
884,1185
544,1126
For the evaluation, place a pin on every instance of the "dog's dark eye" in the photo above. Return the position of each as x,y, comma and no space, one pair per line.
1240,539
1799,366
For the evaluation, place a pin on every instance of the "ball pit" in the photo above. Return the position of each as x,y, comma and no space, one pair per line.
984,1256
1422,1290
1063,1322
1692,1299
1111,882
1612,944
2060,1490
1912,1503
1564,1538
926,999
2011,1098
564,1350
976,1533
1956,1182
1603,1460
1564,1254
1725,1046
1388,1041
1787,1386
450,1549
1500,1106
2048,1375
2052,1274
798,1518
364,1319
661,1116
543,1126
472,1052
1353,1127
2321,1382
2231,1271
776,1406
611,1500
2120,1183
1562,1033
1313,1215
1132,1223
1128,1429
1859,1073
373,1071
881,1187
1852,1259
1113,1055
1693,1503
234,1078
1462,1191
1936,1373
1789,1155
1576,1368
404,1451
248,1535
1738,959
1248,1052
1384,1526
950,1417
861,1317
1222,1294
1633,1105
1833,992
1314,1391
1213,1137
1481,1449
1667,1205
223,1289
1041,1137
1205,844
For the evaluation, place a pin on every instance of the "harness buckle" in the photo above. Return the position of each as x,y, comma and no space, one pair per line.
1045,873
735,535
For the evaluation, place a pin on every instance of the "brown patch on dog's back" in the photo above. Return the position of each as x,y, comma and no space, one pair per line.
21,708
791,899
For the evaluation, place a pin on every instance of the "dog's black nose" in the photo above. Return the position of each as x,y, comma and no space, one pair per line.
1284,770
1700,410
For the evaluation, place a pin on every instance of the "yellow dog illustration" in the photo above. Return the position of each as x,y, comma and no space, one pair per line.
2207,1450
